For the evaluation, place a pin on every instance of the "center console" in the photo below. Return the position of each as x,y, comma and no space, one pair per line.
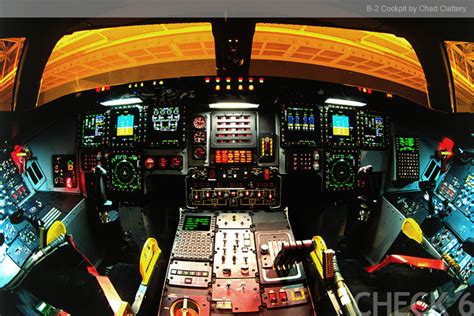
225,246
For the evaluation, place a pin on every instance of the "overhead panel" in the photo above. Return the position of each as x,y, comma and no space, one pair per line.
378,55
10,54
461,60
111,56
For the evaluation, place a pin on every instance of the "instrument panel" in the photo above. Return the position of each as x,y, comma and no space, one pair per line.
174,136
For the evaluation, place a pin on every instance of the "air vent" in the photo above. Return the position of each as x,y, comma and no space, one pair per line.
233,130
35,174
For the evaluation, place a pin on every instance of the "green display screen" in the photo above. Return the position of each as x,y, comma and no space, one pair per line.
125,172
406,144
197,223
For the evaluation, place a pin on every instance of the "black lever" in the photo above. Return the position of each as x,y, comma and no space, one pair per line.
432,223
100,190
428,187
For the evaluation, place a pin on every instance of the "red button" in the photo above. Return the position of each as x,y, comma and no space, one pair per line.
266,174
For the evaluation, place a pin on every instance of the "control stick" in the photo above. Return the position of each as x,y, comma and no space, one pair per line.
428,188
103,204
432,224
112,228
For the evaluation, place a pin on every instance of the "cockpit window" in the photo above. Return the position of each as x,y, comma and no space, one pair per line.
461,60
374,60
10,54
110,56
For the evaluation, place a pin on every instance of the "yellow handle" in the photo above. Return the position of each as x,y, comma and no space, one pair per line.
55,230
412,230
317,254
150,253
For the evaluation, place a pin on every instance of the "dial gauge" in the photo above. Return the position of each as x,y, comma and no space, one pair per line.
199,152
199,137
176,163
149,163
199,122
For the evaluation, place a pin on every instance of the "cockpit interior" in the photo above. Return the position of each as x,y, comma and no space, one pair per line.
236,166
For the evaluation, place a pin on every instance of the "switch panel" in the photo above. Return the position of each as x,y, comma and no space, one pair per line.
236,295
303,161
235,254
280,296
189,273
234,220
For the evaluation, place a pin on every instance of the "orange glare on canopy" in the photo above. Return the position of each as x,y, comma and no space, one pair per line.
111,56
461,60
10,53
378,55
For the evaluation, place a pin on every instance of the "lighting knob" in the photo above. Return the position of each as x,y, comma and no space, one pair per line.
264,249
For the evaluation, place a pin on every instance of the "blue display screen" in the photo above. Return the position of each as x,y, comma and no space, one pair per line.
125,125
340,125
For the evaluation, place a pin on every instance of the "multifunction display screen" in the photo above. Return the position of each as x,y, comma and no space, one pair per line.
197,223
372,130
165,119
93,130
125,127
406,144
341,126
300,125
166,126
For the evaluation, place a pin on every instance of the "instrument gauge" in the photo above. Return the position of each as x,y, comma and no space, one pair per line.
176,163
199,137
149,163
199,122
199,152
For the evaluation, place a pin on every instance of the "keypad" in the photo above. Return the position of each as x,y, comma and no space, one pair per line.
407,158
409,166
88,161
193,246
